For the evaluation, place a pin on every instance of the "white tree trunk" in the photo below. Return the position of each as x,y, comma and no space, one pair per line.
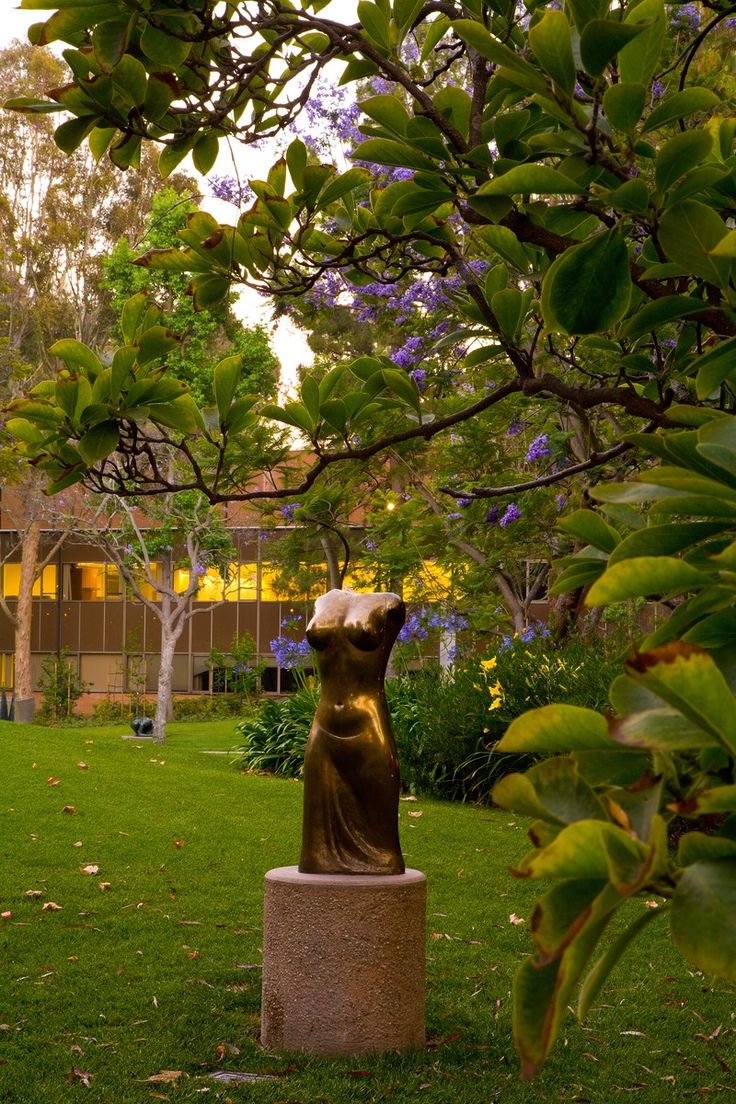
164,709
24,702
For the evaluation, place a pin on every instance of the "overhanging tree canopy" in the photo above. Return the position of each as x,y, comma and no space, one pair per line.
571,171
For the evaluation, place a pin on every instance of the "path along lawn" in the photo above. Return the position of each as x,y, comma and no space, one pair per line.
151,963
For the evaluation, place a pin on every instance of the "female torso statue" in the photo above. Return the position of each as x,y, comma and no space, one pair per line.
351,771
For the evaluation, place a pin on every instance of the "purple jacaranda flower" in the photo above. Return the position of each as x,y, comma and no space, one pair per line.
538,449
685,17
511,513
493,515
561,501
465,501
515,428
454,516
419,375
288,510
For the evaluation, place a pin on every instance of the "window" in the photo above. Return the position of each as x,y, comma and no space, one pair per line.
45,587
430,583
91,582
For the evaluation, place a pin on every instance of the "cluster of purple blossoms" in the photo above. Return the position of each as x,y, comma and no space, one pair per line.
424,620
230,190
288,510
290,653
419,375
409,353
538,449
511,513
658,90
515,428
534,631
291,622
685,17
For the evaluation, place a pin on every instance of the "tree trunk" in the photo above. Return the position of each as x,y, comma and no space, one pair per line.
164,707
332,558
25,706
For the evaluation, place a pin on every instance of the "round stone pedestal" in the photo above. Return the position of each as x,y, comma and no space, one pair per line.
343,962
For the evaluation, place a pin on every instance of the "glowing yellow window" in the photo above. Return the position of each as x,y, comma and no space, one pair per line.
113,582
270,590
431,582
361,579
45,587
245,587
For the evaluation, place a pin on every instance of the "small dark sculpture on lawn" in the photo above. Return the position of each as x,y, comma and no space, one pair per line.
142,726
351,770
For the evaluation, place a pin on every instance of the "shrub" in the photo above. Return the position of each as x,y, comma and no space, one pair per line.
276,736
445,721
61,688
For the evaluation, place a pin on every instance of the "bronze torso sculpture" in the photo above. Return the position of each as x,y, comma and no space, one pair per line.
351,770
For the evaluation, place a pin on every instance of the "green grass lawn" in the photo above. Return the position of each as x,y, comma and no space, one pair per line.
152,962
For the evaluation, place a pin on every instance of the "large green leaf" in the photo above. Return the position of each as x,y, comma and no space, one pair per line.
602,39
659,730
687,233
652,315
623,105
679,155
687,102
587,849
661,540
552,790
550,41
77,355
642,576
225,379
531,178
639,59
99,442
704,916
588,288
589,526
688,679
554,728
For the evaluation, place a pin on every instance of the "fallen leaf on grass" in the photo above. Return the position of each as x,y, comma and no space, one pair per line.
70,809
90,868
235,1077
178,843
165,1077
52,781
82,765
514,919
104,885
81,1075
51,906
247,966
6,916
159,1096
415,813
78,843
638,1034
410,798
226,1048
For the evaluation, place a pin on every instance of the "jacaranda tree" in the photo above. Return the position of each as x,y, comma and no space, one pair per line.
565,176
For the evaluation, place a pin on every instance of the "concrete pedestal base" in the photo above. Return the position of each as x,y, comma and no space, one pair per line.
343,962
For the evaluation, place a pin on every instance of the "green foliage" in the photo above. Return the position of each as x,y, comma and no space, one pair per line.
668,749
275,738
205,335
237,671
61,688
447,721
580,214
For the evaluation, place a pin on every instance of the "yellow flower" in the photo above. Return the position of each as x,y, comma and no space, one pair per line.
488,664
495,690
495,704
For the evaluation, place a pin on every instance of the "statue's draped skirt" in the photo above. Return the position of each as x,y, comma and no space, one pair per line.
351,792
